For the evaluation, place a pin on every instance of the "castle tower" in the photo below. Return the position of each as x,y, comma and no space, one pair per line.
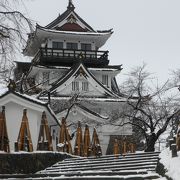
68,61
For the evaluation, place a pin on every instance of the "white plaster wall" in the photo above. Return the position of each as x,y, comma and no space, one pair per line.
14,114
67,90
66,39
104,129
54,75
98,75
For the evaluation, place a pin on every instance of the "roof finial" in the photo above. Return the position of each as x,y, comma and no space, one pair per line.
71,5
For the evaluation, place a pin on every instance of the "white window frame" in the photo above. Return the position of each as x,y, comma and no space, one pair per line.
86,46
75,86
57,43
85,86
105,79
72,44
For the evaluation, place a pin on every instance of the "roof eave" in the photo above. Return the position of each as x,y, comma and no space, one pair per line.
38,102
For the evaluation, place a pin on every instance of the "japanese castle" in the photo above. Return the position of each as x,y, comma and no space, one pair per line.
71,71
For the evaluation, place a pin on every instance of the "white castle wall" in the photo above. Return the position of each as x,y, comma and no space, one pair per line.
67,88
14,112
103,126
66,39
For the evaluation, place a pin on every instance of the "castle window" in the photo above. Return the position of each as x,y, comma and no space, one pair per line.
75,86
71,45
105,79
85,86
86,47
57,45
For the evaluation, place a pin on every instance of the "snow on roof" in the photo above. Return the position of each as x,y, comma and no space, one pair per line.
24,59
52,67
41,33
86,110
74,32
4,91
106,68
97,99
71,73
65,15
33,98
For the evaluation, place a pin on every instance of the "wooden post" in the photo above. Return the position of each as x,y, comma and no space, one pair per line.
132,147
78,149
116,148
124,148
68,141
96,148
4,140
24,139
64,138
86,141
62,135
45,139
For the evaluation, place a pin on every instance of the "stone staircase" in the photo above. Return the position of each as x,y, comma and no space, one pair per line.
131,167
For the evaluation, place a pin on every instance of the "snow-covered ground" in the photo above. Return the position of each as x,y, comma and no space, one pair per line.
171,164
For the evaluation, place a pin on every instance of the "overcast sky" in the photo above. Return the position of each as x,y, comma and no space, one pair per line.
144,30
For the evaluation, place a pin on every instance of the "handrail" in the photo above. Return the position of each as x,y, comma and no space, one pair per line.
75,54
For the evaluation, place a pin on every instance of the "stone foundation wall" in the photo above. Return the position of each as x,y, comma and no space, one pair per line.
27,163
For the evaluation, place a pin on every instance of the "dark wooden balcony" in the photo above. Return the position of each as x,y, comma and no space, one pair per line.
67,57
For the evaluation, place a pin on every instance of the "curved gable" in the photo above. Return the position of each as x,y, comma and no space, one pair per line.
80,72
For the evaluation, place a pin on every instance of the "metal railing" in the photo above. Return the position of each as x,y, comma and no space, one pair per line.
75,54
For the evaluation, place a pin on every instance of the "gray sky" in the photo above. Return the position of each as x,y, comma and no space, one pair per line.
144,30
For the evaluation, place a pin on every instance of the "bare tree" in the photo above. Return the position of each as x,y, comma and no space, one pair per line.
151,106
175,81
14,26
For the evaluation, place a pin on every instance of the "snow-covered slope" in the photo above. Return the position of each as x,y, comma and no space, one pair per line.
171,164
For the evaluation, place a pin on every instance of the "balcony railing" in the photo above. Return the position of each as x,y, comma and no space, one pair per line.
47,55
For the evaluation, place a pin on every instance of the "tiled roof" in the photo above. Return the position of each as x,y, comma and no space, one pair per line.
89,111
30,99
63,16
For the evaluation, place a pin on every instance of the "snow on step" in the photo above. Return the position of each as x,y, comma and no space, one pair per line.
107,157
148,176
102,166
132,165
111,161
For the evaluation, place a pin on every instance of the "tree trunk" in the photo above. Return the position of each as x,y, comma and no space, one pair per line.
151,143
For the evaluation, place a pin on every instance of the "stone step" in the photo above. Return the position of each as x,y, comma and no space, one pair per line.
107,168
131,167
87,175
102,165
111,156
105,172
151,176
80,159
115,160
